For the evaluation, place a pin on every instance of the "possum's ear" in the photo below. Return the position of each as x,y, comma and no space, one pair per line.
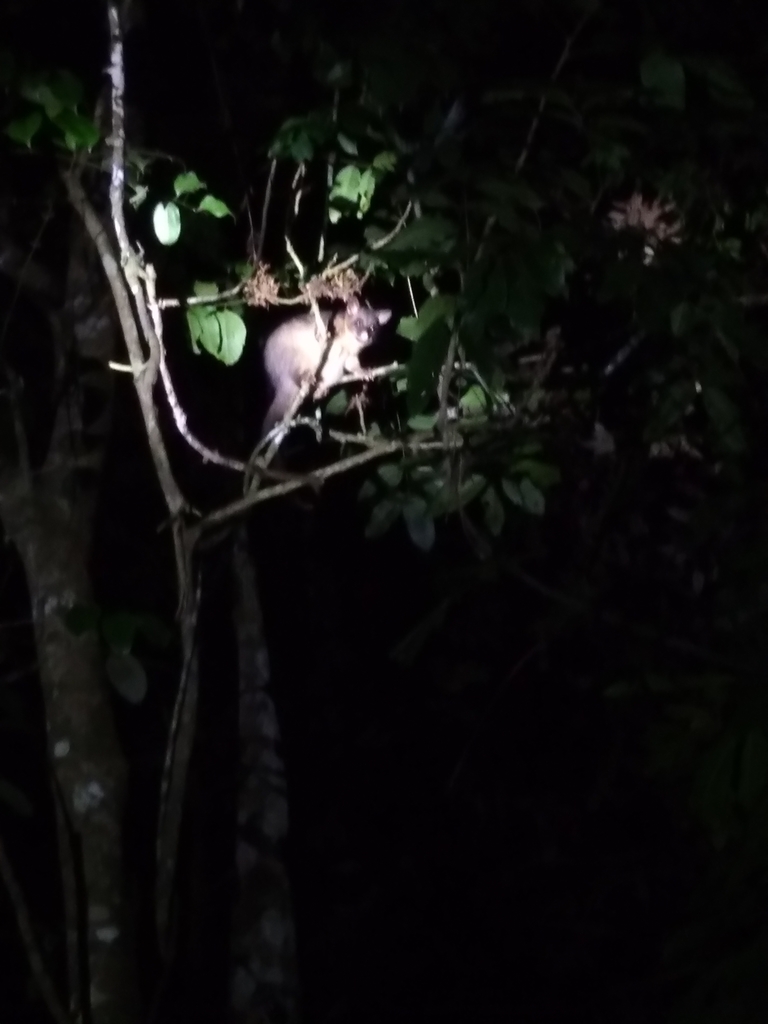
353,306
383,316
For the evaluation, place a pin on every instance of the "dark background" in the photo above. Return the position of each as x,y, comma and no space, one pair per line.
473,836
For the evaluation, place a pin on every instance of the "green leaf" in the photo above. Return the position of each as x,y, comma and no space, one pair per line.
659,684
185,183
543,474
724,417
340,75
494,511
13,797
346,184
408,327
420,524
38,90
714,784
67,89
446,498
435,308
355,187
424,234
127,676
299,136
724,87
203,329
533,499
79,132
383,162
576,183
407,650
495,294
512,490
550,265
154,630
205,289
470,488
119,630
423,368
525,308
216,207
664,78
474,400
682,318
221,332
338,403
24,129
621,691
753,768
608,156
348,145
674,406
507,191
7,68
423,421
81,618
367,188
302,149
391,474
166,220
382,517
233,332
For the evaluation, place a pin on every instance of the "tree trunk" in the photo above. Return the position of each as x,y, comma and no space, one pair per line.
47,513
264,972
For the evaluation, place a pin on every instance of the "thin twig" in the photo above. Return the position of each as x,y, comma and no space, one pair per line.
350,261
129,328
328,182
588,607
492,704
202,300
170,802
302,299
534,125
255,497
226,114
132,275
265,209
15,387
414,307
31,948
445,381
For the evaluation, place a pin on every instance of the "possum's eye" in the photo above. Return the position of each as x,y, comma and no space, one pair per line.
361,330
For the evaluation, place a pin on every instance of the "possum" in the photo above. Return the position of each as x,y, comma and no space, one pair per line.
293,352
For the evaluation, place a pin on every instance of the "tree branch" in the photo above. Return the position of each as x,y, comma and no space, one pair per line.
134,275
255,497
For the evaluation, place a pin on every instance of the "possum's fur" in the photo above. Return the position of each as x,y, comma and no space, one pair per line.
293,352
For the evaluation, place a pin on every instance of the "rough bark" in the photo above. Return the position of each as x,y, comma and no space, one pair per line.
47,513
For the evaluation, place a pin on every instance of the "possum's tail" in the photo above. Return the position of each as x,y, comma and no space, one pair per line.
281,403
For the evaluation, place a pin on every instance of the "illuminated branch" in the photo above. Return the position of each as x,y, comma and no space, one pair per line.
131,274
350,261
255,497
